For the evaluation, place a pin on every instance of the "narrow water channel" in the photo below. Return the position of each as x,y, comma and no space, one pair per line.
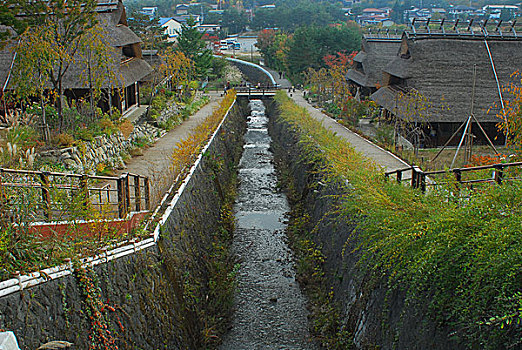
270,308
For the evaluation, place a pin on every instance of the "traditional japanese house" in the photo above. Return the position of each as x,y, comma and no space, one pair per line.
437,80
376,51
124,62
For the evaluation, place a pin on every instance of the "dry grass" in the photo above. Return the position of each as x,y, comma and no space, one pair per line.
126,128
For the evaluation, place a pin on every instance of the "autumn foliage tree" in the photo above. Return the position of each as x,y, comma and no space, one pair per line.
511,116
178,68
98,58
63,24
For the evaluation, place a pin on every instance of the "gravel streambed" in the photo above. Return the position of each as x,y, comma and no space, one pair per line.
270,310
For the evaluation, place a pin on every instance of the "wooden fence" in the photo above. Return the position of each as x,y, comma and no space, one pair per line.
50,196
499,173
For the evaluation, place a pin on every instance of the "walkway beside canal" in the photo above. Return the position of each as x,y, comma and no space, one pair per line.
380,156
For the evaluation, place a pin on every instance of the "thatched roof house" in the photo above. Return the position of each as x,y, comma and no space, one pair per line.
368,64
126,60
440,69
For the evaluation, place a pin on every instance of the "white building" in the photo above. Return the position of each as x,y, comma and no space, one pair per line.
149,11
172,27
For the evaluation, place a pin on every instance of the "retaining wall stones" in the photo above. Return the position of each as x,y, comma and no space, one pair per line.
103,149
141,289
374,319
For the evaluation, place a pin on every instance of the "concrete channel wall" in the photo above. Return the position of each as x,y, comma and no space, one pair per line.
138,289
255,73
373,317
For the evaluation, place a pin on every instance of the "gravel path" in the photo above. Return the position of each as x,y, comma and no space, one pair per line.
270,308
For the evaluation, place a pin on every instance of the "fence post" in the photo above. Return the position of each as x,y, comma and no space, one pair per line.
137,192
399,176
422,176
121,197
127,194
499,174
46,194
84,187
414,182
146,188
458,175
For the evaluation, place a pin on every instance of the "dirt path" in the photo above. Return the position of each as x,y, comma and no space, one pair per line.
156,160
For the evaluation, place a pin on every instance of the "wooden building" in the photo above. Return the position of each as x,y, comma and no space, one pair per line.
125,63
367,72
436,78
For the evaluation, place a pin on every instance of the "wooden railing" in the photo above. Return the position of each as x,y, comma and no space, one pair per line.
50,195
263,90
419,177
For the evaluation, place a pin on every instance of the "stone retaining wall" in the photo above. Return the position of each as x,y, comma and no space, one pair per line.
141,289
103,149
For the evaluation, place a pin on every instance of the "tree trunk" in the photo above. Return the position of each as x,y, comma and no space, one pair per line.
59,106
91,90
44,119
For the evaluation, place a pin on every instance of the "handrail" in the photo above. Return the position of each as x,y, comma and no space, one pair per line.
418,177
46,182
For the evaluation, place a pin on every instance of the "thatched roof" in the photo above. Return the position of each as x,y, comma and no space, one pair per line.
369,62
6,55
441,70
127,70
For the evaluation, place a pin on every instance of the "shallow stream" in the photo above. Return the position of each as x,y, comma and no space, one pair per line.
270,310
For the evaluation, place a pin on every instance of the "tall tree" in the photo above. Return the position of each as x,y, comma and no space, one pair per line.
98,57
191,43
178,68
63,23
235,20
310,44
149,30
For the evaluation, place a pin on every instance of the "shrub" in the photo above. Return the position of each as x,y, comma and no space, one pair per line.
126,127
63,140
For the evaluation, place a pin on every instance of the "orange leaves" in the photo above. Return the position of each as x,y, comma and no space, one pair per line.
186,150
178,67
340,59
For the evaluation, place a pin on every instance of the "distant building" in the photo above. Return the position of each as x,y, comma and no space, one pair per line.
209,28
459,10
182,9
150,11
172,27
372,16
184,18
496,10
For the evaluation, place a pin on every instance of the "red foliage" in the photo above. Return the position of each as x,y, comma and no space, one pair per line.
485,160
339,59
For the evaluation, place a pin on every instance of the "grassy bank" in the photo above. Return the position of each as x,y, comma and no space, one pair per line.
459,254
